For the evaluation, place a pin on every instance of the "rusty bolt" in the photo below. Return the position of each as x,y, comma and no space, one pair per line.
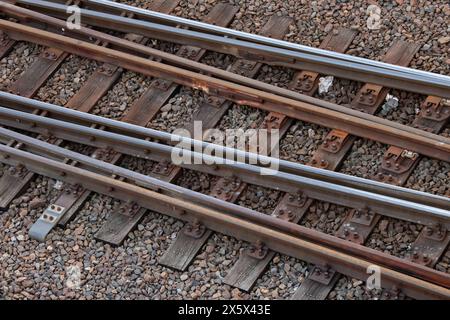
429,231
355,235
415,255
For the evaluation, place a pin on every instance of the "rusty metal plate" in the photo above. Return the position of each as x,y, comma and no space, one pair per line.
369,98
334,141
273,121
357,229
228,190
305,82
322,275
6,44
396,166
324,159
429,246
434,115
292,207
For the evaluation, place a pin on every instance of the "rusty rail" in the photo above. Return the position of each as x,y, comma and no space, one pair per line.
152,16
354,122
279,235
429,84
394,202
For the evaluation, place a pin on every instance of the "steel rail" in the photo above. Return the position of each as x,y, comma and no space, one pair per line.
354,122
438,86
127,45
240,222
313,188
16,102
88,34
152,16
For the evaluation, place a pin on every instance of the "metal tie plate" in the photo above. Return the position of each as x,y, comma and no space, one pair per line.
46,222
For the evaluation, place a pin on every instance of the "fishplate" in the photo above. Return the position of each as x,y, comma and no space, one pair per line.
323,275
334,141
194,229
257,251
304,81
435,108
227,190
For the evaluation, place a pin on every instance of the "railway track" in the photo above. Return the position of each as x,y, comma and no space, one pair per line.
278,232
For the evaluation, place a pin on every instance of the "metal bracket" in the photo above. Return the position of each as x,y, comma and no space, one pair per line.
105,154
434,109
436,233
243,67
273,121
129,209
257,251
304,81
368,95
164,168
297,200
398,160
4,39
226,190
391,294
51,54
215,101
364,217
161,84
319,163
18,170
46,222
430,245
322,275
107,69
194,229
74,189
334,141
290,207
189,52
